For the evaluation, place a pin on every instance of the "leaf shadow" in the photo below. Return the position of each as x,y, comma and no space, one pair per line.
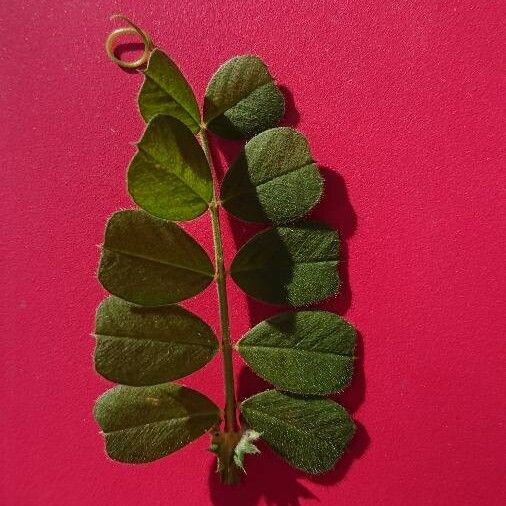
292,116
269,477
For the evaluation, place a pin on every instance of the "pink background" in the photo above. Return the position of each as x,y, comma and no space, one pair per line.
403,104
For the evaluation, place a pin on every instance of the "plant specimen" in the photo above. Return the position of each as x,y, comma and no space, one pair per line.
145,340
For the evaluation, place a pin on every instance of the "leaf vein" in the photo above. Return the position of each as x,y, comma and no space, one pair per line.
300,430
138,338
221,111
267,181
284,266
175,419
148,155
302,350
167,92
157,260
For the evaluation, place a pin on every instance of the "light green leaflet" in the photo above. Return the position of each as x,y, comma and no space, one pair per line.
169,177
274,179
310,433
294,265
306,352
145,346
242,99
166,91
151,262
142,424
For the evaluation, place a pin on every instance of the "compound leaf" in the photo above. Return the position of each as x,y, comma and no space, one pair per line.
142,424
166,91
169,177
145,346
151,262
274,179
305,352
294,264
242,99
310,433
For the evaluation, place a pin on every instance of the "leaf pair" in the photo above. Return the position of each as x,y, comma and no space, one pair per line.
273,180
153,262
308,352
170,177
241,99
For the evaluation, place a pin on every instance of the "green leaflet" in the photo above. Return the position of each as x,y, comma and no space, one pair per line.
241,99
169,177
166,91
274,179
294,265
145,346
305,352
310,433
142,424
151,262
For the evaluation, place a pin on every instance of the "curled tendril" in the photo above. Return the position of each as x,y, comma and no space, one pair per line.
128,30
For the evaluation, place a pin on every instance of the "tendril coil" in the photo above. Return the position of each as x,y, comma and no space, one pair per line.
129,30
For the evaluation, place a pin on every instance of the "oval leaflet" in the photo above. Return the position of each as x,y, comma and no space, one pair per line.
241,99
151,262
142,424
274,179
166,91
310,433
294,264
169,177
305,352
141,346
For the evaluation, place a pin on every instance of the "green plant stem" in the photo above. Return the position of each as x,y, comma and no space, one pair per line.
221,282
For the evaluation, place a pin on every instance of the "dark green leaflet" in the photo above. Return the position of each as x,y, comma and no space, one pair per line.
310,433
294,264
306,352
275,163
144,346
166,91
142,424
151,262
241,99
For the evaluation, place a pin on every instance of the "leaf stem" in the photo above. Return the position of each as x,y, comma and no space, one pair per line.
221,282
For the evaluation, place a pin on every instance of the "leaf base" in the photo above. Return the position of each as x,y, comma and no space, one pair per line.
223,445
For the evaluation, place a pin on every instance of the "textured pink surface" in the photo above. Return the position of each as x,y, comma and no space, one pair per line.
401,102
